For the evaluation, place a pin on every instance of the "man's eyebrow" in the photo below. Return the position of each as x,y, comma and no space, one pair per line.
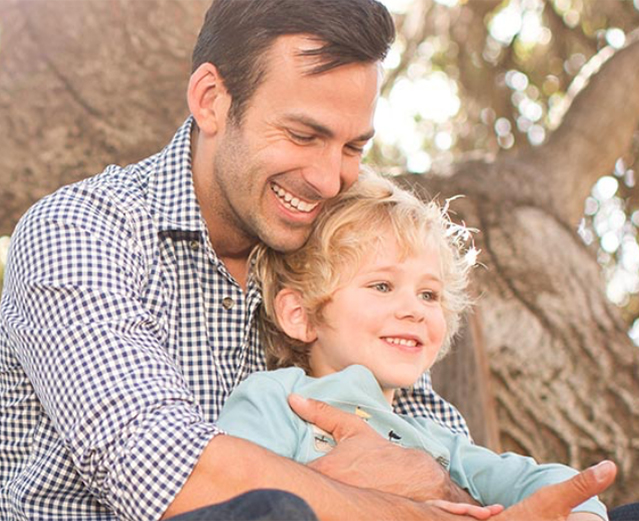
322,129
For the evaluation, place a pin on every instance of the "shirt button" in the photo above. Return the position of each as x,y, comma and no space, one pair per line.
227,303
194,245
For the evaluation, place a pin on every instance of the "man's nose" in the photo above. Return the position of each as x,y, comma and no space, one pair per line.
332,172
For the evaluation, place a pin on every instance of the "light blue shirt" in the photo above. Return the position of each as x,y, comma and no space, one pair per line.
258,411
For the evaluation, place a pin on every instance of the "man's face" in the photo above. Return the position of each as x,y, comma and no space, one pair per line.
299,143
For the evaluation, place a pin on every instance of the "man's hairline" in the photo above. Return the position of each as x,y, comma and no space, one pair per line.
316,70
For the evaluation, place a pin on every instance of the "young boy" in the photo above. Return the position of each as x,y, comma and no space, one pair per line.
365,308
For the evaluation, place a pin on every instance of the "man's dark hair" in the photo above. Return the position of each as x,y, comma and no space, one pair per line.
237,33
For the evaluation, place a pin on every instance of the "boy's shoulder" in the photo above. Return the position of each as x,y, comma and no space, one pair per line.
332,386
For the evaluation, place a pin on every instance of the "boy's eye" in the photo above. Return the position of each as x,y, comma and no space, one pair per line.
430,296
382,287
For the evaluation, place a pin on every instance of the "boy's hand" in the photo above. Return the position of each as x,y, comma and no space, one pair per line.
363,458
464,509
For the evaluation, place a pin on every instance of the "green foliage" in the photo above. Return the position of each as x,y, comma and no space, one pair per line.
486,76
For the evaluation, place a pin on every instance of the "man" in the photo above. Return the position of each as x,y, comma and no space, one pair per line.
127,313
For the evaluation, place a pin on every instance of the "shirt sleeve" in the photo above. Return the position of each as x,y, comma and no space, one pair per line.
258,411
76,313
501,478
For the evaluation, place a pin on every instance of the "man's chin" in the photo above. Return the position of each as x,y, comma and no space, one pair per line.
287,243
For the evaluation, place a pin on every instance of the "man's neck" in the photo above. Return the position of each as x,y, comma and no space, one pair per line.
230,245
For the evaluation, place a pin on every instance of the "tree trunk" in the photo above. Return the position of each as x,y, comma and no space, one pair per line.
83,84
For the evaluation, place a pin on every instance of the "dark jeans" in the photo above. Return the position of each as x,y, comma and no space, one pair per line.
628,512
257,505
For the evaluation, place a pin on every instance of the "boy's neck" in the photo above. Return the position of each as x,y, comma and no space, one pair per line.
389,393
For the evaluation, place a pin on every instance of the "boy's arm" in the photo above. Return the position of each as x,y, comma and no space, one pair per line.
505,478
257,411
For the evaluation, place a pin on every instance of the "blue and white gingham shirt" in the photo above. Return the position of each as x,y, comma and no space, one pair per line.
121,336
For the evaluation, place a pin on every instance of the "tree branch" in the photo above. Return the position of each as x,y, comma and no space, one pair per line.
597,128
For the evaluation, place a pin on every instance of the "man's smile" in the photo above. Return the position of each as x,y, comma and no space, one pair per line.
292,202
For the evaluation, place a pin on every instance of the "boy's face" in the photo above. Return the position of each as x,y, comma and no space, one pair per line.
389,318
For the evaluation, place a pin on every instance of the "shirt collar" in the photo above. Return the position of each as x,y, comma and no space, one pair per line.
170,189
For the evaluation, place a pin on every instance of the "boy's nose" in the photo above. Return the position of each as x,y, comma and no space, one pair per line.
410,307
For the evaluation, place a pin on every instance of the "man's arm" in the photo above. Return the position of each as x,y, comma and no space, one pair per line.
119,414
230,466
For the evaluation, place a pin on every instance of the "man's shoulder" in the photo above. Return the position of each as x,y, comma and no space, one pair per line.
114,199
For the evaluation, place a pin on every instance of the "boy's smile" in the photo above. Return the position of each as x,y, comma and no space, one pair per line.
388,317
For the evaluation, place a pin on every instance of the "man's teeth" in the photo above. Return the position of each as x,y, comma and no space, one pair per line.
401,341
291,202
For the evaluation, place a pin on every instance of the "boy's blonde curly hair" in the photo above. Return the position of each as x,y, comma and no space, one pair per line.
348,228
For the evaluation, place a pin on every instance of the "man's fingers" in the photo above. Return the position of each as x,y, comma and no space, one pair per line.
586,484
339,423
597,478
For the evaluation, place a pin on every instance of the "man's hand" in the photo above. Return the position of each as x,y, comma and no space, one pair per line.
555,502
364,459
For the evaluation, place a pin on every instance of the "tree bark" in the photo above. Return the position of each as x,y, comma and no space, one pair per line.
83,84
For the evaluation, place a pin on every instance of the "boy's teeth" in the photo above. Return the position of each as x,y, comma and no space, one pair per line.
401,341
291,202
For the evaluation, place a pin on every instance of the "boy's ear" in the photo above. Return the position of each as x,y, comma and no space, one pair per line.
208,99
292,316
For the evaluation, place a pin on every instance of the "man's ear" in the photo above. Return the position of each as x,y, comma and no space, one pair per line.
208,99
292,316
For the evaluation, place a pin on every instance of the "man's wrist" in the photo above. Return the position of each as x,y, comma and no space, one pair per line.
457,494
441,486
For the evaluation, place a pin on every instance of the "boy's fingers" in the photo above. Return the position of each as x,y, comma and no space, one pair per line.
338,423
465,509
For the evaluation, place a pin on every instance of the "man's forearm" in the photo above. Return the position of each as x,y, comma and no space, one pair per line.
230,466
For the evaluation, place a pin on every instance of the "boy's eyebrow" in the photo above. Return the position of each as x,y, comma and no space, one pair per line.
323,130
392,268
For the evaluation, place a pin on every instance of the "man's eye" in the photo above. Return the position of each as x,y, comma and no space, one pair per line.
355,150
382,287
301,138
